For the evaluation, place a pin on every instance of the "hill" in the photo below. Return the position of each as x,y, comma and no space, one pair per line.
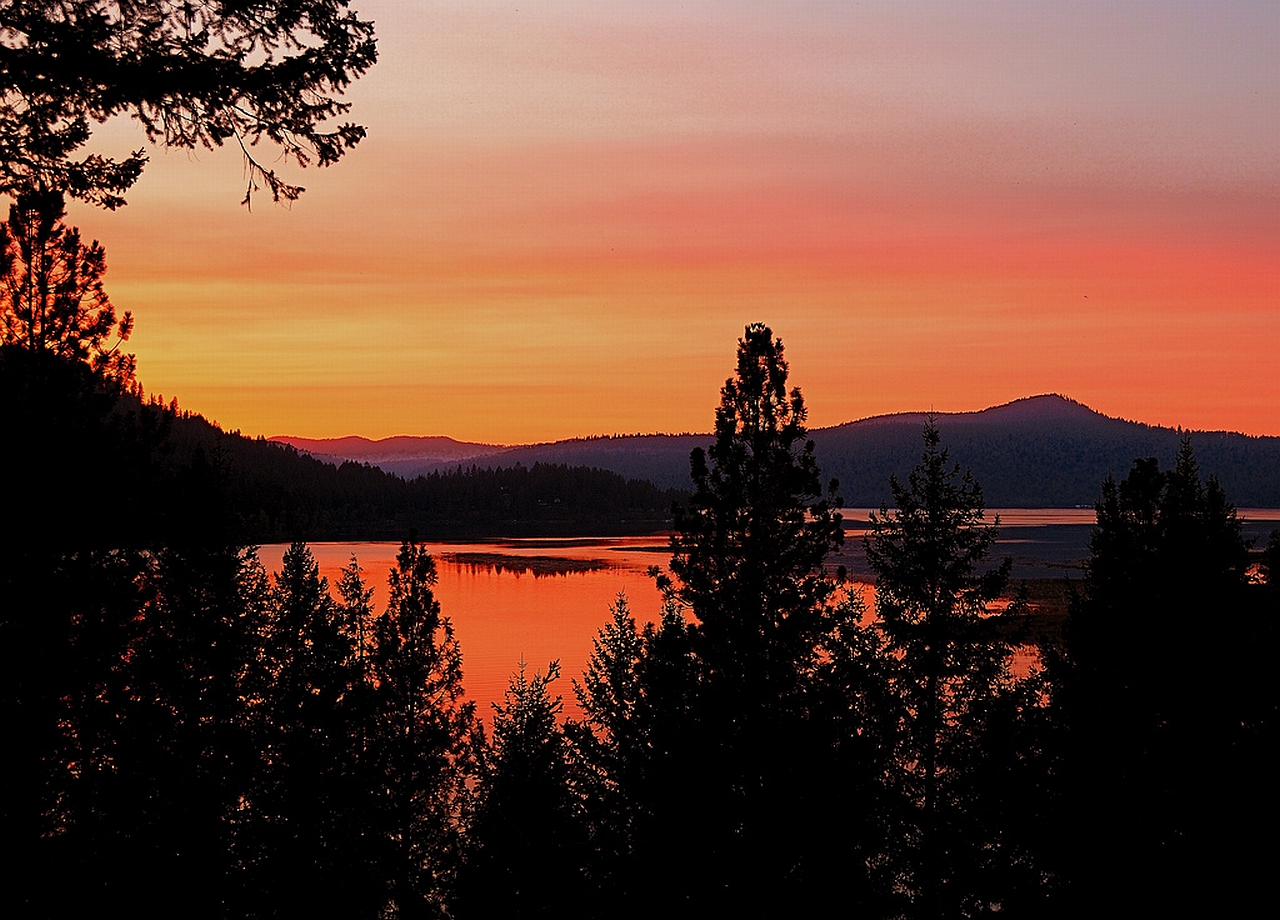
1040,452
99,467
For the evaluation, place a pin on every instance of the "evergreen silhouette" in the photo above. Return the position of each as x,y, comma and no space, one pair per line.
194,75
528,835
53,297
729,742
423,739
306,831
1167,712
942,649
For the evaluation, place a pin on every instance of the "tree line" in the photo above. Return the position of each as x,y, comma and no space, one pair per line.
187,732
67,424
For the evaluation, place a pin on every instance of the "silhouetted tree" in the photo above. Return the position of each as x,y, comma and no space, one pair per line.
945,655
731,746
306,838
193,74
528,835
422,744
747,553
1168,722
186,753
65,700
611,737
53,298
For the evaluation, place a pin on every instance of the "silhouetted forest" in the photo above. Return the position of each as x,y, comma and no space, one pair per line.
188,733
63,428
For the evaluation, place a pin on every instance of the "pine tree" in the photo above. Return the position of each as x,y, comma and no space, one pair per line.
747,553
193,74
423,738
1167,721
52,299
305,834
944,654
528,838
733,749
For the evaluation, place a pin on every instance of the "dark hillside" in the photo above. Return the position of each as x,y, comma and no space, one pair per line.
93,467
1039,452
282,494
1045,451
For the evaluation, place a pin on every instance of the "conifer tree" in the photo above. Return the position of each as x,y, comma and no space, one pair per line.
945,661
1166,718
192,74
52,300
307,814
747,553
422,746
733,748
528,836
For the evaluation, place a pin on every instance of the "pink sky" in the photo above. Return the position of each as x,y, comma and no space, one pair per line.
566,212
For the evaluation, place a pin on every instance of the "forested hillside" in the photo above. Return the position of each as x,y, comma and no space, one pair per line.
159,462
1039,452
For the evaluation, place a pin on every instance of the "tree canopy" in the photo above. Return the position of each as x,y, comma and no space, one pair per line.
194,74
726,699
53,297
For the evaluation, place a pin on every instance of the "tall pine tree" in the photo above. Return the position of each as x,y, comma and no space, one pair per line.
942,650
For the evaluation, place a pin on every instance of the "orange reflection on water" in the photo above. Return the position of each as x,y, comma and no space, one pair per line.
505,606
536,600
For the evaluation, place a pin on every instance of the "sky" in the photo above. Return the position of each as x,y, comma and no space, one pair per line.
565,213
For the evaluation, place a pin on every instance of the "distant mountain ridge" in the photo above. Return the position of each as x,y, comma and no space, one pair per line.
1044,451
403,454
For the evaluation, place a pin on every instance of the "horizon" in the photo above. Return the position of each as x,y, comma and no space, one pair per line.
563,217
710,433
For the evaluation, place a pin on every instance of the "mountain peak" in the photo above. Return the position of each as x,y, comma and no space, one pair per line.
1047,407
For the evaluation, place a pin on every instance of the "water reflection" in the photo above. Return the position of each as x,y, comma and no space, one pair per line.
537,566
545,599
512,599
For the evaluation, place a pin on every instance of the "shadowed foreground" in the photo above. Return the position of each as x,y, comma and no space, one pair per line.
187,733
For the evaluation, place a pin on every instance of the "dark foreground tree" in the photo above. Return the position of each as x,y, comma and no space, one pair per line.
422,742
611,735
193,74
306,839
943,652
726,764
528,836
747,552
1168,702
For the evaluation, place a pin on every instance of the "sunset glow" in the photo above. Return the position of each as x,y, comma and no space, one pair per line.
565,213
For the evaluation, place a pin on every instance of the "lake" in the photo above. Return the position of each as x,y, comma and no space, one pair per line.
546,599
536,599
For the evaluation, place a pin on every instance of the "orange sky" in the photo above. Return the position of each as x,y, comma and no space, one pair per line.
563,217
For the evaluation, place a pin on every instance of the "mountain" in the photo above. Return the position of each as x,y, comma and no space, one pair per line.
663,459
1039,452
403,455
1043,451
98,467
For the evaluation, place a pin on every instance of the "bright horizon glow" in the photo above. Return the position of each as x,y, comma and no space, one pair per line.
564,216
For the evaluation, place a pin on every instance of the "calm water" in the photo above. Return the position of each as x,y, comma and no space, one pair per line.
544,600
540,600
